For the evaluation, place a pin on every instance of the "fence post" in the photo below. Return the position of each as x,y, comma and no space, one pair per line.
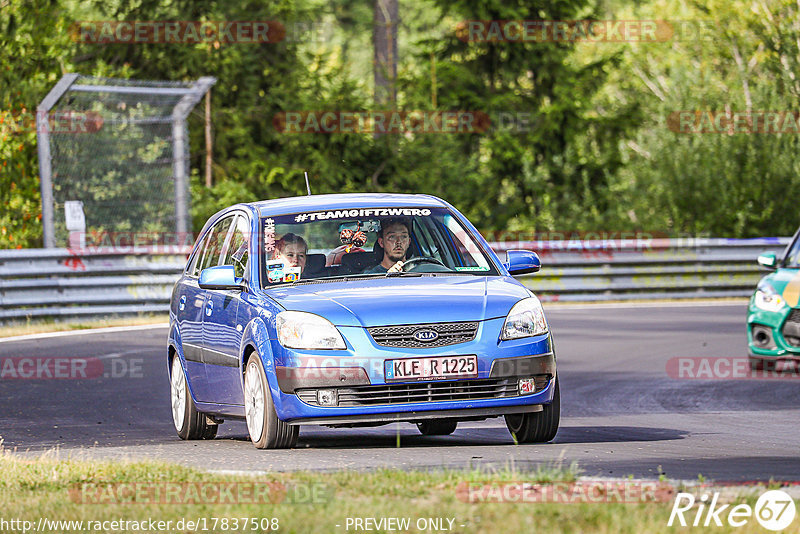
45,161
179,115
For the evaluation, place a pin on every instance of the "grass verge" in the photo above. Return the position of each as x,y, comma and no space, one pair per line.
301,502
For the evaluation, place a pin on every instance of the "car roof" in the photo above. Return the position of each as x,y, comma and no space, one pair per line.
343,201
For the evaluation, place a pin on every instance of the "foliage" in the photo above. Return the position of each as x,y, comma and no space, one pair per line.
594,150
726,184
36,51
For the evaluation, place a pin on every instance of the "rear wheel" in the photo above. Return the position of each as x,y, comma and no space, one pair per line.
537,427
437,427
189,423
266,430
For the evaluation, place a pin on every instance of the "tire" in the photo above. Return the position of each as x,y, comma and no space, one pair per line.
437,427
188,422
761,364
266,430
537,427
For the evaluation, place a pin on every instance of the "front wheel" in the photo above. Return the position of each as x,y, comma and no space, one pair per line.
189,423
536,427
266,430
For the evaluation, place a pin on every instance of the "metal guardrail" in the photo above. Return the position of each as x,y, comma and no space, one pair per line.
645,270
63,283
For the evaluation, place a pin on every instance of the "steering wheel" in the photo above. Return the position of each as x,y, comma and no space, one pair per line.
422,259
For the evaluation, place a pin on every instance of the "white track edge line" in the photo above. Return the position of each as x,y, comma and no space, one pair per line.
104,330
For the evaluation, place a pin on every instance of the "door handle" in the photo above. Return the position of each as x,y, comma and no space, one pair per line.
182,305
209,308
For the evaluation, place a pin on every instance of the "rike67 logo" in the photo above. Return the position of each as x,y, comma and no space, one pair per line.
774,510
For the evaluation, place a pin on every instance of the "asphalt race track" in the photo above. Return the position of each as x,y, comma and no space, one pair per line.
622,414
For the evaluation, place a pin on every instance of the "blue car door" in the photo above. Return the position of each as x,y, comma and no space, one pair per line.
222,334
189,313
190,321
197,299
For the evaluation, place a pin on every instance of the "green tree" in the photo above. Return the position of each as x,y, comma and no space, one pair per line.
554,170
37,49
739,56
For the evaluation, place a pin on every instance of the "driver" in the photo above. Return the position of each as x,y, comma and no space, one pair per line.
394,238
293,250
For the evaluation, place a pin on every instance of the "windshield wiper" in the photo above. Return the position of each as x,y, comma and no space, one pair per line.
401,273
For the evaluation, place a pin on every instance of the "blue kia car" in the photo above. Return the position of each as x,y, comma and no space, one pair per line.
356,310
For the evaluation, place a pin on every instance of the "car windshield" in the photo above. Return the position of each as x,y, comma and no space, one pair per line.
793,257
368,242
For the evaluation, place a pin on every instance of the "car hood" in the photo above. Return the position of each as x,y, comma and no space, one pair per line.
786,283
384,301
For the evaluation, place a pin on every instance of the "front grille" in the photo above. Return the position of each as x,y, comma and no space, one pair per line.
402,335
461,390
791,328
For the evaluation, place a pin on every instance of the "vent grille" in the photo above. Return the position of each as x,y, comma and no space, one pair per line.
461,390
791,328
403,335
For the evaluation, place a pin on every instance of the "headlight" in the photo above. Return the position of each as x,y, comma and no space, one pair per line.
525,319
301,330
767,299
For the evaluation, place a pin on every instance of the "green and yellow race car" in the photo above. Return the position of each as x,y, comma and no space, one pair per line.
773,318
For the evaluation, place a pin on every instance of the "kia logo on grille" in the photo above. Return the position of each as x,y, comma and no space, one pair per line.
425,334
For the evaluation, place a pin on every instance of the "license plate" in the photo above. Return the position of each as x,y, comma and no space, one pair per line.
436,368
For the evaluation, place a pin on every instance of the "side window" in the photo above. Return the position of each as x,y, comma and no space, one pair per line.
215,242
237,252
194,269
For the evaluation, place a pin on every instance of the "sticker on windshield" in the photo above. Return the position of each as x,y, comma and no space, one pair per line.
475,268
291,274
369,212
275,271
269,235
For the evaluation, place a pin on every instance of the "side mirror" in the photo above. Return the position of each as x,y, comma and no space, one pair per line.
221,277
768,260
522,262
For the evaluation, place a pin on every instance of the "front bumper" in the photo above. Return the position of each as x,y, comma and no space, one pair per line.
361,365
293,410
766,337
